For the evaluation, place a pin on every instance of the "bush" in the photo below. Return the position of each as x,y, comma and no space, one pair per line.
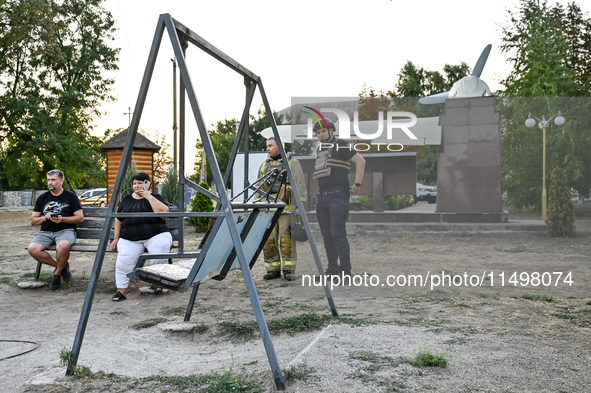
127,187
561,210
396,202
170,187
391,202
201,203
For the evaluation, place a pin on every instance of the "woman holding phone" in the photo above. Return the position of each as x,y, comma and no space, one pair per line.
133,235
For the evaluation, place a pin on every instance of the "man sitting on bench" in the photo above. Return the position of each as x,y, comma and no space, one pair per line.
57,211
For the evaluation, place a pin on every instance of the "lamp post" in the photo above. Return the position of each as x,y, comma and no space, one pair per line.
543,124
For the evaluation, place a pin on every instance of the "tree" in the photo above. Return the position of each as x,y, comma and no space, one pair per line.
170,187
413,83
162,158
223,136
561,216
52,58
576,31
542,57
201,203
537,50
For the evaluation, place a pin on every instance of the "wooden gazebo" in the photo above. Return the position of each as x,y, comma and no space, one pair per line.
142,155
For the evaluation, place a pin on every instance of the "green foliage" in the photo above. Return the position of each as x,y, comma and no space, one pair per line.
127,186
147,323
213,382
162,158
179,310
417,82
427,167
53,55
426,359
391,202
545,49
537,298
537,50
170,187
201,203
77,371
290,325
300,372
561,211
412,83
223,137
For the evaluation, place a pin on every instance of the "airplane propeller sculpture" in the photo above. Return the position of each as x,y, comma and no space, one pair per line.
468,86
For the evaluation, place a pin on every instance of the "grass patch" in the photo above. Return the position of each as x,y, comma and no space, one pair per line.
213,382
77,371
238,330
379,361
200,329
290,325
6,280
300,372
427,359
299,323
44,276
147,323
580,317
375,363
537,298
177,311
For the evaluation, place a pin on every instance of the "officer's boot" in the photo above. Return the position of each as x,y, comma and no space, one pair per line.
272,275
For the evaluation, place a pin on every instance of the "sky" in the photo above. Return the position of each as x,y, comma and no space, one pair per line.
321,48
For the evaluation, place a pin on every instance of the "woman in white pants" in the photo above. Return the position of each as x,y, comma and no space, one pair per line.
136,234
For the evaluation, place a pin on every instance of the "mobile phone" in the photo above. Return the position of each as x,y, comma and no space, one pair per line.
54,214
147,184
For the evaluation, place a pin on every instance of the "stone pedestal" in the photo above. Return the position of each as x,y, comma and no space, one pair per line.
469,169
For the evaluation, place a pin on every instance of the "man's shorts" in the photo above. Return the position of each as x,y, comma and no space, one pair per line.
48,238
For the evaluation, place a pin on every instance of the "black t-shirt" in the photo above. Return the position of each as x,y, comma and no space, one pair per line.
65,204
140,228
339,178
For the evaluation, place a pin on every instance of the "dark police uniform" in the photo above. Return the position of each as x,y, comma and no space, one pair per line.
331,169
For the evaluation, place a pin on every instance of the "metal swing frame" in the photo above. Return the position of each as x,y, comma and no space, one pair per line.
180,36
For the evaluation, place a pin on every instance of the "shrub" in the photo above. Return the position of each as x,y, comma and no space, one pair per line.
127,187
201,203
561,210
391,202
170,187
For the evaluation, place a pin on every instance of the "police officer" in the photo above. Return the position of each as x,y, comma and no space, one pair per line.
331,169
280,247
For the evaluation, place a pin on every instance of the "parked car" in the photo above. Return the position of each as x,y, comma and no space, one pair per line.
94,197
426,193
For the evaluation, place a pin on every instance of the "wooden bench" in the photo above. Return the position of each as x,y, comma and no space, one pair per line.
90,230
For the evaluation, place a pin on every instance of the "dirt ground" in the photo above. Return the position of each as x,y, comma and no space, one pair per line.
498,332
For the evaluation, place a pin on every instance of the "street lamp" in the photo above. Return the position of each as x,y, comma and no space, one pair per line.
543,124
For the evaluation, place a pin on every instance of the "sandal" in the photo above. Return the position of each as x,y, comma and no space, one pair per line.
156,288
118,296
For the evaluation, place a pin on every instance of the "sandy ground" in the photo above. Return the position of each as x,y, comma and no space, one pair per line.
497,336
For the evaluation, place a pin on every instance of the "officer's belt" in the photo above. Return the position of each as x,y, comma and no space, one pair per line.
330,192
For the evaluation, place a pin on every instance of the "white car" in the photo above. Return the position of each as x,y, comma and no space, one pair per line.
94,197
426,193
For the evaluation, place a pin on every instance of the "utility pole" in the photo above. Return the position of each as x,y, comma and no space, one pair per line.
174,124
129,113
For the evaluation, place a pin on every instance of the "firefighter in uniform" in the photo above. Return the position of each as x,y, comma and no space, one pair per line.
280,247
331,169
